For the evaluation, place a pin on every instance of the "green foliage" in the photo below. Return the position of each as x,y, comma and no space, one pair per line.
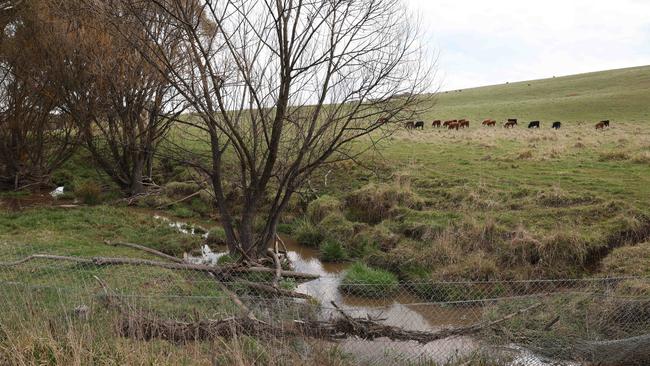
308,234
365,281
332,251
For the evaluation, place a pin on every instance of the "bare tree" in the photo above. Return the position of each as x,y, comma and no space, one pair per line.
35,138
281,87
121,104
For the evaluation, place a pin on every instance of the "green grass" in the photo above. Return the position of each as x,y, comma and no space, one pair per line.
618,95
365,281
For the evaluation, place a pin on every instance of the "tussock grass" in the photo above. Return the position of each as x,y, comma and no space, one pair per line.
365,281
89,192
376,202
629,260
332,251
324,205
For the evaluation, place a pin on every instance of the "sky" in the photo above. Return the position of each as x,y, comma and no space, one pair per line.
492,42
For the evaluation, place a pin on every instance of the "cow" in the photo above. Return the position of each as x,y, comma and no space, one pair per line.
419,124
463,123
448,122
436,123
600,125
453,126
409,125
512,122
557,125
533,124
489,122
605,122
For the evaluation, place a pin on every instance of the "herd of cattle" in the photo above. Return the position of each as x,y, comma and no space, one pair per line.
456,124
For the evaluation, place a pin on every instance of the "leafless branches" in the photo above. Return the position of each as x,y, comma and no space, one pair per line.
279,88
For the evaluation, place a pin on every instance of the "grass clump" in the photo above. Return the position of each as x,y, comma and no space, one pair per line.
216,236
628,261
376,202
333,251
365,281
614,156
308,234
336,226
323,206
89,192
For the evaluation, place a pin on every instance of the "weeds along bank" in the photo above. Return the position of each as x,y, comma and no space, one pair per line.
478,204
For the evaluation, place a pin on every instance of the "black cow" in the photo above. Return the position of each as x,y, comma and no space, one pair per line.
533,124
419,124
605,122
557,125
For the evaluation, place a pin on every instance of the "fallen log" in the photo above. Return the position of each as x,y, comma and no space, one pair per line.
108,261
144,325
145,249
276,291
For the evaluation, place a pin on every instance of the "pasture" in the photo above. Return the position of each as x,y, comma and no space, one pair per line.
518,203
475,204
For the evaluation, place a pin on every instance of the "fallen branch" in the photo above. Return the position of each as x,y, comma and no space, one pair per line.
367,328
180,200
276,290
108,261
145,249
46,256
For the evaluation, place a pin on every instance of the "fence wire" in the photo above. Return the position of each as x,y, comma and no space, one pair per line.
59,308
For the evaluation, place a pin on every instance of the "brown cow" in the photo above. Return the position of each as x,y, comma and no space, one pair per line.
447,123
409,125
491,123
453,125
600,125
463,123
436,123
510,124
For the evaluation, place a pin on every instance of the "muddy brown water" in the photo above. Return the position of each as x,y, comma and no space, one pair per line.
401,310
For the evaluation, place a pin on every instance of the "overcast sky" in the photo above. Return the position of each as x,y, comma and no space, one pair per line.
490,42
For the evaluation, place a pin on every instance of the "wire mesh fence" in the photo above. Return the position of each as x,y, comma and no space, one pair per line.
136,305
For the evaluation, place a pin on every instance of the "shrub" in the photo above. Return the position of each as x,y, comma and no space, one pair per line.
362,280
308,234
376,202
332,251
89,192
319,208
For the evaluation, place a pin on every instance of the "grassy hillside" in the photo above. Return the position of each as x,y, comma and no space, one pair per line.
619,95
